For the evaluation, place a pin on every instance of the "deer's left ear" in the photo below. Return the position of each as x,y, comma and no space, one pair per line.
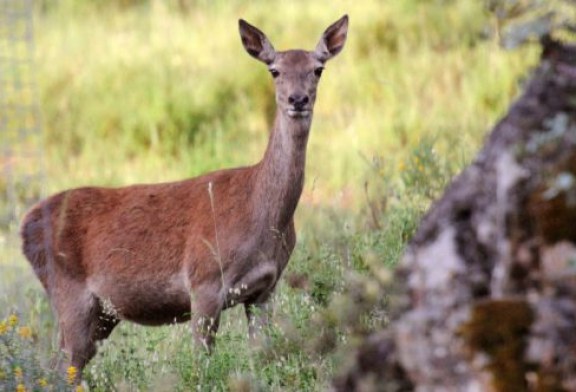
332,40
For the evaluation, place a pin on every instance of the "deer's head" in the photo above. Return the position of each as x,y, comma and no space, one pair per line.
296,72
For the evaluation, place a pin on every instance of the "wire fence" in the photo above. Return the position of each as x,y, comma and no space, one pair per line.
22,171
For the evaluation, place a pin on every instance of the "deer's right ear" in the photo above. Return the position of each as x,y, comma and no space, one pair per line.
256,43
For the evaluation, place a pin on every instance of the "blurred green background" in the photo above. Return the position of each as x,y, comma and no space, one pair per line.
144,91
147,91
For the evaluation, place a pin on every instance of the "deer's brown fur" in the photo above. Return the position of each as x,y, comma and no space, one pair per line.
155,254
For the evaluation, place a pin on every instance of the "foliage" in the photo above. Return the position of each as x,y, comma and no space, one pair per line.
517,22
147,91
20,369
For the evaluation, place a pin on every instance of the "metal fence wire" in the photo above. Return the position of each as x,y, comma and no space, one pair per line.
22,171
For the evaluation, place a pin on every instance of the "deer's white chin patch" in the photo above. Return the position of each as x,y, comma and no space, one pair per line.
298,113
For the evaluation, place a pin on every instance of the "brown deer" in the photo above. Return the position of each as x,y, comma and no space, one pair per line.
171,252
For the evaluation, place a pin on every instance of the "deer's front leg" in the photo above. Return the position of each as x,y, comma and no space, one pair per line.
206,309
258,316
253,291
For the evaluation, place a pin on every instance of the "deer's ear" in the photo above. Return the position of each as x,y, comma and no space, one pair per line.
256,43
332,40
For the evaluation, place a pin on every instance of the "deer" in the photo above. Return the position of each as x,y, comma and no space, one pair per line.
156,254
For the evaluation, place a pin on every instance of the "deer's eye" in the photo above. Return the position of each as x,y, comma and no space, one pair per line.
318,71
275,73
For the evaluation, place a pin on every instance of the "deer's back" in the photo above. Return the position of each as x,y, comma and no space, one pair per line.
143,240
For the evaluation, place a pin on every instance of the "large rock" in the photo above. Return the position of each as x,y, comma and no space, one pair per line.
490,275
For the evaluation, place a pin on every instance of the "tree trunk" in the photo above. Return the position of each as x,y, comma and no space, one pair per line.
490,275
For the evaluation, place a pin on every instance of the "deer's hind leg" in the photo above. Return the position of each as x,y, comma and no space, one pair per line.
83,322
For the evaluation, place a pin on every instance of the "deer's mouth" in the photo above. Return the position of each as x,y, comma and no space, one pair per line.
299,113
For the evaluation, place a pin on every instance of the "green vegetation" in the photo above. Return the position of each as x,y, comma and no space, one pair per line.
148,91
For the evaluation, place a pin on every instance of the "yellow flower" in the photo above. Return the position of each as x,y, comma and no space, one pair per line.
25,332
3,328
18,372
71,373
12,320
20,388
79,388
43,382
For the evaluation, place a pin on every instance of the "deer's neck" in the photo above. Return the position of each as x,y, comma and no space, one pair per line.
281,172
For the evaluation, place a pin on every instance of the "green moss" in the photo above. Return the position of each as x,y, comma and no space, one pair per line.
498,328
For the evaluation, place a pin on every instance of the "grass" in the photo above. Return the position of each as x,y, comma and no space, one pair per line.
149,91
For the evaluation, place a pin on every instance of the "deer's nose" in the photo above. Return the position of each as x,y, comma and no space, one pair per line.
298,101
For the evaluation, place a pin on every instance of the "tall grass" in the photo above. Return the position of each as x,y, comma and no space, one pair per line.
174,94
148,91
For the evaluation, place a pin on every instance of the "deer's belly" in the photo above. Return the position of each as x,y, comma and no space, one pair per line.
157,302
